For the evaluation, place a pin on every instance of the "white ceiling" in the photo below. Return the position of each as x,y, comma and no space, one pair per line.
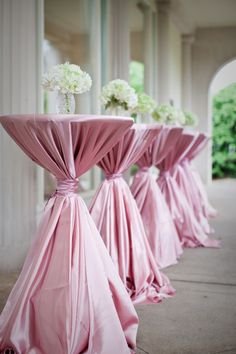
73,15
70,15
192,14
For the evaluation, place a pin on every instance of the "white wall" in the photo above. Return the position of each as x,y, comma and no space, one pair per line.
224,77
19,91
212,48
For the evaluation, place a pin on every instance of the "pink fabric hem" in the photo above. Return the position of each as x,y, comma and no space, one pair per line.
159,226
190,232
68,298
127,244
187,186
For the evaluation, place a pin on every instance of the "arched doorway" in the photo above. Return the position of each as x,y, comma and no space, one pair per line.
222,91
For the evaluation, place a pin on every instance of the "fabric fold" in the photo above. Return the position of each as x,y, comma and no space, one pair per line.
117,218
190,231
159,226
201,203
188,185
69,298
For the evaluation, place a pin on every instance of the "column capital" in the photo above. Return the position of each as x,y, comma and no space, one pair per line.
163,5
147,4
188,38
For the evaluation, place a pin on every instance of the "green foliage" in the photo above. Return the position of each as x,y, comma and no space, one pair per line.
136,73
224,133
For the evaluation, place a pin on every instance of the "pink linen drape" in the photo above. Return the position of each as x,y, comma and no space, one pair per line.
202,201
159,226
117,217
190,232
69,298
187,183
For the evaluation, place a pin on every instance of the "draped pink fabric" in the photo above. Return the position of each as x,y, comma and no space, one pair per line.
190,231
69,298
159,226
203,205
187,183
117,217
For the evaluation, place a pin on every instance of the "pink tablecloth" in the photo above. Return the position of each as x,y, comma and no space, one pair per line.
190,231
188,185
201,203
159,226
69,298
117,217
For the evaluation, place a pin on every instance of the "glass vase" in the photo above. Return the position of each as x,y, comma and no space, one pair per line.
65,103
143,118
117,111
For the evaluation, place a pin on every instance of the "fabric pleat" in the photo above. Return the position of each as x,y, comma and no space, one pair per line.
118,219
159,226
69,298
190,231
200,201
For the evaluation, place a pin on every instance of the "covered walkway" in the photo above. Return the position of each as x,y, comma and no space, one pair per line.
201,318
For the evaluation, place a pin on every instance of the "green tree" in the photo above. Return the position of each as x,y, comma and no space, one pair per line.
136,74
224,133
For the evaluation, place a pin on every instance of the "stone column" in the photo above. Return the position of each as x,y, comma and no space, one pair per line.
21,182
163,28
148,50
116,49
118,39
187,41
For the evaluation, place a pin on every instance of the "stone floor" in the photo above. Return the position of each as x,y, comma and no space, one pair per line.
201,318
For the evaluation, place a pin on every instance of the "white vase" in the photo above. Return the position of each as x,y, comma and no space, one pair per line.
65,103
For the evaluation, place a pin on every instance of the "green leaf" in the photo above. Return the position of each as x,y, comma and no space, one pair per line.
224,133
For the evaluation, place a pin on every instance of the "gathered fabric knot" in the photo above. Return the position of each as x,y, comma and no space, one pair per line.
110,176
67,187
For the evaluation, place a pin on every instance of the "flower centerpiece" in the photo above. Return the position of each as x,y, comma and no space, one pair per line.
168,114
118,95
165,113
180,117
67,79
191,119
145,106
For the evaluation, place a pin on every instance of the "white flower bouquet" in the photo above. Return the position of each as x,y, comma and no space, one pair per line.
191,119
67,78
145,104
118,94
167,114
181,119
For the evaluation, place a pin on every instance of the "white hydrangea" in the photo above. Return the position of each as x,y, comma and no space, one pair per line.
118,93
145,104
168,114
180,117
190,119
67,78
